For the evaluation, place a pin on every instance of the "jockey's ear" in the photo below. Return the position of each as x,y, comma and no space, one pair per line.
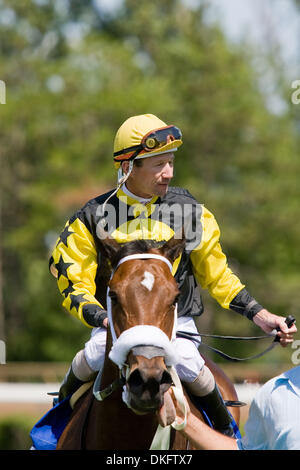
108,245
175,246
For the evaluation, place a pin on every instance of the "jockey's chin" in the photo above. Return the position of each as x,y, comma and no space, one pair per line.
161,188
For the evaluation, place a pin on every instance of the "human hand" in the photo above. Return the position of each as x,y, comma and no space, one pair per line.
269,322
105,322
171,410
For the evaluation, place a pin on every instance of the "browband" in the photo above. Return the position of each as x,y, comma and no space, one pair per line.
145,256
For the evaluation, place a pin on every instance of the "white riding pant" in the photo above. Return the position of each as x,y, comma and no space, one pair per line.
190,364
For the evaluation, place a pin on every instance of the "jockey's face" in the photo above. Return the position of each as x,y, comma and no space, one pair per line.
153,177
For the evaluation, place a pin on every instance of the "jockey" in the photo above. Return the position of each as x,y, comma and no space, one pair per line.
144,207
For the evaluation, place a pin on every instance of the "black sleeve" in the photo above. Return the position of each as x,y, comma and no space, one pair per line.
93,314
245,304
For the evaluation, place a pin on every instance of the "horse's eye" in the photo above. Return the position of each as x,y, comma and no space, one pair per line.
175,301
113,296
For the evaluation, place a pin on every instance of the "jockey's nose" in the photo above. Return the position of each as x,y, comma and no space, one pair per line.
167,171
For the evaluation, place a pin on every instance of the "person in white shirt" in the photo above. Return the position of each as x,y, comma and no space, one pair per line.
273,422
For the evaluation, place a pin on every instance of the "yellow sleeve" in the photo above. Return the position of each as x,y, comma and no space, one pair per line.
210,264
75,266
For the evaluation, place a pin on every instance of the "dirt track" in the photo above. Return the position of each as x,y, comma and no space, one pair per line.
32,410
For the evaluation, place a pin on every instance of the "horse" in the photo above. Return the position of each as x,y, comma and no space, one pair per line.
141,304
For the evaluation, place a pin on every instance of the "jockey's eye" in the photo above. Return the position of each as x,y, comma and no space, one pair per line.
113,296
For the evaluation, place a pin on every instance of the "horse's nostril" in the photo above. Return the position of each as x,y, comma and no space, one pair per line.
144,387
136,382
151,390
148,391
166,381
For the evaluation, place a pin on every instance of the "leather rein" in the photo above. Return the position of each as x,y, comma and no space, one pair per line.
123,371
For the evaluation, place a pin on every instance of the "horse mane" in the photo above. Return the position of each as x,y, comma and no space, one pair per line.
132,248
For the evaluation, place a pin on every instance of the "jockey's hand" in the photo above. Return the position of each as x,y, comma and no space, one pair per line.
105,322
269,322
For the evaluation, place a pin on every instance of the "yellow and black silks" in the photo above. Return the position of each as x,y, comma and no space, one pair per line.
77,264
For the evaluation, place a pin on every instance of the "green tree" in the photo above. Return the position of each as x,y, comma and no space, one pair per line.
73,75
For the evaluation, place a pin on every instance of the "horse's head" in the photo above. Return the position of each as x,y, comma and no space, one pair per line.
142,299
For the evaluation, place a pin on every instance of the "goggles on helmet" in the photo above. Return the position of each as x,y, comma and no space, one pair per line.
160,137
154,140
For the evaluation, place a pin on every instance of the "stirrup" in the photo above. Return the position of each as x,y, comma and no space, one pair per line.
55,399
234,403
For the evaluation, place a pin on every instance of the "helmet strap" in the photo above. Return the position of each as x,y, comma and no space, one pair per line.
122,178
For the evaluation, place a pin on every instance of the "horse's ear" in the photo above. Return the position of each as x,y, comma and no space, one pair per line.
175,246
108,245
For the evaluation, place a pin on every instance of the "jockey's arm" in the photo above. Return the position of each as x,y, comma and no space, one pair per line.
74,263
212,272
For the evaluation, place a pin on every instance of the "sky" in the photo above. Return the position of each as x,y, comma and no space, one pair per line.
261,21
264,23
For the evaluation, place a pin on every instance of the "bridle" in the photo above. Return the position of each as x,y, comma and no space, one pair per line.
150,335
161,439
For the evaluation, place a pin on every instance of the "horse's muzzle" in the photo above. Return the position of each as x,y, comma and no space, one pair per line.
148,379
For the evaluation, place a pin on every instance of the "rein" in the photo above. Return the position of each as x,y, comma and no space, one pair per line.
192,336
290,320
161,439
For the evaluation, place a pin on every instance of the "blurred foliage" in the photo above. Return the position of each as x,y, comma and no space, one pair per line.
73,73
14,433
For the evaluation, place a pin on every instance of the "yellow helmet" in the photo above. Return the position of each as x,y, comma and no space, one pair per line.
144,136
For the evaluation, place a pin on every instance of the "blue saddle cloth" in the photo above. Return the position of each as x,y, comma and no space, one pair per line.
46,432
